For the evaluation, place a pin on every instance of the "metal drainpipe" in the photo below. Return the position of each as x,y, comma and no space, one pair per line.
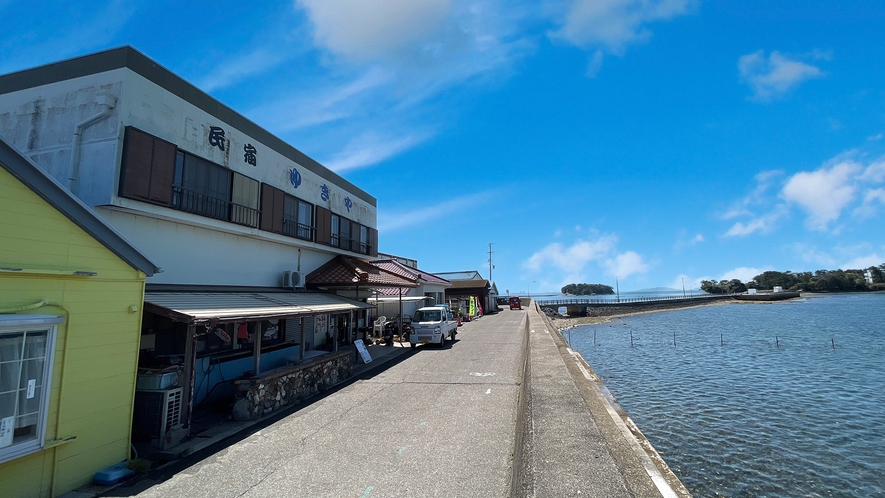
106,101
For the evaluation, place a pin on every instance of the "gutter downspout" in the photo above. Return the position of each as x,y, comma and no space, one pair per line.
106,101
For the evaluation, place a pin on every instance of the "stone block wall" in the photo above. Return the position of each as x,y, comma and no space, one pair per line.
285,386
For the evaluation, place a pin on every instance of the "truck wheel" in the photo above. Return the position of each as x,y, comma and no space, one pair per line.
442,341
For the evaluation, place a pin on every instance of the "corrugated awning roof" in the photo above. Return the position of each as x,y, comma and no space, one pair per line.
205,307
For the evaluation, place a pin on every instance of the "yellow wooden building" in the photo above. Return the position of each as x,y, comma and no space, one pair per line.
71,292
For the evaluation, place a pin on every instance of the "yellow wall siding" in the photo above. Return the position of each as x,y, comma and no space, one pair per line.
96,349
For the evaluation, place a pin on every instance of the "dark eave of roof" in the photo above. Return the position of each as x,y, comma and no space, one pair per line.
81,215
128,57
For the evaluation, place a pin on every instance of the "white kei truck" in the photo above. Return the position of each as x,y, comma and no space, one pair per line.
433,325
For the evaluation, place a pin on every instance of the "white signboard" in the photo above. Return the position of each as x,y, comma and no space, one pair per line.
364,353
6,427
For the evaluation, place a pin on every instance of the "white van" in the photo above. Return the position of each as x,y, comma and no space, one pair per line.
433,325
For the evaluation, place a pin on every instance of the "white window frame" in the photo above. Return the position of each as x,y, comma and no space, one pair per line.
33,323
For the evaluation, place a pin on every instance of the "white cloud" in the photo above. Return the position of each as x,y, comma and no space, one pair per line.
775,75
366,30
744,274
572,259
389,60
625,264
608,26
823,193
863,262
811,254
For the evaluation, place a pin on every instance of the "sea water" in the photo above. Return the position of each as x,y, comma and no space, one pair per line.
755,399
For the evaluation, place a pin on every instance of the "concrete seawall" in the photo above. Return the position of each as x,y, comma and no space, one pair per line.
572,436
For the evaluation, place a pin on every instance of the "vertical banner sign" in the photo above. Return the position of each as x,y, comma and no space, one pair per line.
320,324
472,309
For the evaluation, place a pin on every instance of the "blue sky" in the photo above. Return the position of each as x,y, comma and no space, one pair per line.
649,141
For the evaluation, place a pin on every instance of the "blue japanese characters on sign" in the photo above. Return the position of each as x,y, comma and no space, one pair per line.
295,177
216,137
250,153
324,192
348,203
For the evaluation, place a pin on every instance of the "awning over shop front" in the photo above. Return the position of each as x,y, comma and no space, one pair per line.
218,307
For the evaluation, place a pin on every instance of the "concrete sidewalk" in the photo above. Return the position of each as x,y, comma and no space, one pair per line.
575,441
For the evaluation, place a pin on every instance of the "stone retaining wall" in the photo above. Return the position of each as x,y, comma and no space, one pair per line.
288,385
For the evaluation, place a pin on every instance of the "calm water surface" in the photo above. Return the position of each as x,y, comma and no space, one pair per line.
754,399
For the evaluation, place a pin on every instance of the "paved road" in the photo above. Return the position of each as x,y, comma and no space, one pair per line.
440,423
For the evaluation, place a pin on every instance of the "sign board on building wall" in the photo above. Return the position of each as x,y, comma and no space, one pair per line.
321,324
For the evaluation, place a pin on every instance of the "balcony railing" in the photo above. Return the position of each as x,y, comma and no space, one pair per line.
212,207
298,230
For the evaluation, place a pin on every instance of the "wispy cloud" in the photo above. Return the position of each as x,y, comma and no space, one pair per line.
372,148
773,76
390,220
240,68
764,224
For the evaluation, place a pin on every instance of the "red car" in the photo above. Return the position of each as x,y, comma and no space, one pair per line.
515,303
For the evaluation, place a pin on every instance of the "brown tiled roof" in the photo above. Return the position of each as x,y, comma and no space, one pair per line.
343,271
409,272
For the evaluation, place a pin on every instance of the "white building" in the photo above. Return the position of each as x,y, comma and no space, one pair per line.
235,216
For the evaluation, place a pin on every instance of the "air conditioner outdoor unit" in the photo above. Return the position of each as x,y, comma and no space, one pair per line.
293,279
157,411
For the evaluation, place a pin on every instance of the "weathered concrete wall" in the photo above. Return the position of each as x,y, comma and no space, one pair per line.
290,385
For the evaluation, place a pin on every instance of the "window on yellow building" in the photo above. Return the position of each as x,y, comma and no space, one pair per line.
27,343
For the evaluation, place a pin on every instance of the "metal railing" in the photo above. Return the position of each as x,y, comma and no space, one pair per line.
623,300
203,204
298,230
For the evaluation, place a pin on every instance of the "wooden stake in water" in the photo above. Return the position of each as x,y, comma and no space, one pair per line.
594,337
833,340
674,338
720,339
776,342
631,338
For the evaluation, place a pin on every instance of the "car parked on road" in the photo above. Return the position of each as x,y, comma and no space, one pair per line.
433,325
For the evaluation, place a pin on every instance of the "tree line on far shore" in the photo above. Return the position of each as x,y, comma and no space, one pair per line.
818,281
587,289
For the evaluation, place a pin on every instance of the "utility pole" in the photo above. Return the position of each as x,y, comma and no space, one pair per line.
491,266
